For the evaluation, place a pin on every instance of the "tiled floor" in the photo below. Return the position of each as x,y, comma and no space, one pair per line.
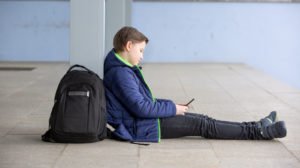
233,92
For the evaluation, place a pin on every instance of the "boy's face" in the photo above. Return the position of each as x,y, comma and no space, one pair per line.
136,52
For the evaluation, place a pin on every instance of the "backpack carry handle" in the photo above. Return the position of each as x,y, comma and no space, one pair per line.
79,66
82,67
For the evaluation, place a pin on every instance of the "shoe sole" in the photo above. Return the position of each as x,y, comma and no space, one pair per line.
280,129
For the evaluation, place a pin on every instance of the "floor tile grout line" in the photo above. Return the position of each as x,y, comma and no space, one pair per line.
9,132
226,91
232,69
277,99
23,87
262,88
59,156
184,90
181,84
216,155
139,157
258,86
292,153
61,153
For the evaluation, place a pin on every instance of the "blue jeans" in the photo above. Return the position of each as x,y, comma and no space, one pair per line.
192,124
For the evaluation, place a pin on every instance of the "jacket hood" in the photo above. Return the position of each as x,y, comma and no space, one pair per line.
112,61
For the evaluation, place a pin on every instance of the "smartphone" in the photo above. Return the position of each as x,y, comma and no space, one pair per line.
189,102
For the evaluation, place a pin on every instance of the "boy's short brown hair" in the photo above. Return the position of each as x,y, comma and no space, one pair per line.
126,34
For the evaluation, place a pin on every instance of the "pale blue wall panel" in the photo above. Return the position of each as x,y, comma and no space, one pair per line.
34,30
264,35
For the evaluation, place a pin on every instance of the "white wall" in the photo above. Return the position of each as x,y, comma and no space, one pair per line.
264,35
87,34
117,14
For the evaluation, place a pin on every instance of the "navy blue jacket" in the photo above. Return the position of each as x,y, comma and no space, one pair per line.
132,109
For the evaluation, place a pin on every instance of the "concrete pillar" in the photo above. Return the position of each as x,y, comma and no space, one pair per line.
87,34
118,14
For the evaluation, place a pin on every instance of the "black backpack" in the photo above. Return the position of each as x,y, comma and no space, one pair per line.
79,111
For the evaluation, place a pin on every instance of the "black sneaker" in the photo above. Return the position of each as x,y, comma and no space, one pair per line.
275,130
268,120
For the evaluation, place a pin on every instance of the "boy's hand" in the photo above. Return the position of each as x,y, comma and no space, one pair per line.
180,109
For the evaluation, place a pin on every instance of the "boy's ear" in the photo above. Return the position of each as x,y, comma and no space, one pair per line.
128,45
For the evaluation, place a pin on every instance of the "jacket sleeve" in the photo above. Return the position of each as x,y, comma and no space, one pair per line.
127,90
